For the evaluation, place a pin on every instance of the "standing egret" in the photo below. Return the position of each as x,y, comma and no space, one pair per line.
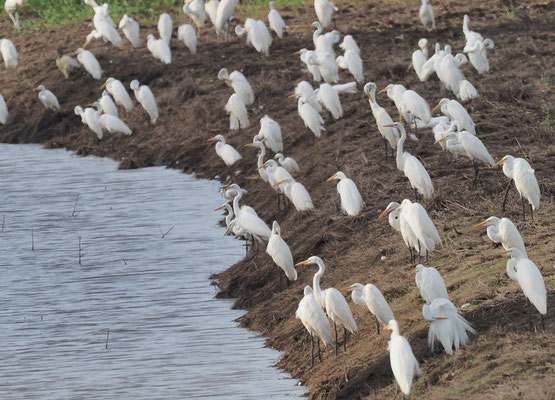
223,15
89,62
401,357
351,61
260,158
312,120
446,325
196,11
211,8
238,117
421,225
66,63
275,174
523,175
9,53
276,22
327,65
288,163
296,193
165,27
144,96
503,231
249,221
108,105
309,58
384,122
410,239
159,49
409,103
11,7
351,200
310,96
225,151
271,131
3,110
47,98
371,297
332,301
419,58
329,98
469,35
349,44
186,33
467,91
430,283
257,35
324,10
280,253
477,54
314,320
448,71
454,110
108,32
130,29
119,93
239,83
90,117
110,123
426,14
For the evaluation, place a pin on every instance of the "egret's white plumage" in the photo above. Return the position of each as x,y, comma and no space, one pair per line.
409,103
238,117
196,11
502,230
309,58
280,253
349,44
9,53
89,62
420,223
260,158
186,33
48,99
108,105
324,10
454,110
419,58
159,49
144,96
288,163
310,96
329,98
520,171
271,131
351,61
467,91
469,35
312,120
464,142
108,32
119,93
91,118
296,193
277,24
313,318
370,296
403,363
394,219
3,110
225,151
130,29
383,120
351,200
249,221
257,35
165,27
426,14
239,83
223,15
211,8
430,283
110,123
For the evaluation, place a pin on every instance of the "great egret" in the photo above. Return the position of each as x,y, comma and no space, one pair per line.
223,15
329,98
130,29
446,325
525,181
402,360
448,71
332,301
421,225
409,103
503,231
280,253
309,58
351,200
442,129
225,151
47,98
419,58
467,91
101,14
296,193
310,96
277,24
238,117
530,279
108,105
351,61
312,120
327,65
144,96
248,220
211,8
324,10
271,131
257,35
260,159
408,235
3,110
288,163
186,33
119,93
454,110
110,123
165,27
426,14
90,117
383,120
9,53
106,30
89,62
430,283
314,320
196,11
370,296
11,7
235,228
429,66
239,83
349,44
275,174
469,35
159,49
66,63
476,51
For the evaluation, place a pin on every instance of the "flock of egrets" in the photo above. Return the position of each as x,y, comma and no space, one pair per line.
454,131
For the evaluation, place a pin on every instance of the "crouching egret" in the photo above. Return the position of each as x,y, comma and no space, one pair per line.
406,232
66,63
119,93
90,117
281,253
186,33
430,283
426,14
296,193
159,49
3,110
130,29
110,123
324,10
276,22
288,163
416,217
108,105
144,96
47,98
332,301
502,230
351,200
370,296
314,320
239,83
403,362
9,53
225,151
165,28
89,62
238,117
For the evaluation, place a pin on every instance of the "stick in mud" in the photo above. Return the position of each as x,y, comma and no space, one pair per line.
107,336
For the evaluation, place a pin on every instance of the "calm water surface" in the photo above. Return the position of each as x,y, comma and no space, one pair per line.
169,338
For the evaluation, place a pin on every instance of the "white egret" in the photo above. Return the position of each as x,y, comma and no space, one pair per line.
196,11
288,163
11,7
89,62
248,220
370,296
429,66
47,98
159,49
349,44
409,103
310,96
530,279
446,325
502,230
327,65
280,253
66,63
421,225
3,110
403,363
324,10
426,14
223,15
108,32
238,117
186,33
110,123
130,29
165,27
9,53
119,93
271,131
410,239
467,91
329,98
228,218
520,171
90,117
312,120
442,129
144,96
260,159
108,105
469,35
211,8
430,283
384,122
477,55
257,35
309,58
277,24
239,83
351,61
419,58
454,110
351,200
101,14
296,193
94,34
332,301
448,72
314,320
225,151
275,174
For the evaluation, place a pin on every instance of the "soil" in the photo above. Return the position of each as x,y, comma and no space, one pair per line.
514,115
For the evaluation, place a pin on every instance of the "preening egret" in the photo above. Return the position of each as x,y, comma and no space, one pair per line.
280,253
288,163
312,120
402,360
271,131
223,15
327,65
469,35
448,72
310,96
332,301
89,62
101,14
91,118
47,98
11,7
476,51
9,53
426,14
248,220
309,58
195,10
351,61
296,193
107,31
130,29
329,98
257,35
408,235
429,66
260,158
110,123
503,231
467,91
119,93
238,117
277,24
421,225
349,44
351,200
144,96
211,8
525,181
108,105
159,49
530,279
3,110
239,83
165,27
324,10
446,325
454,110
419,58
225,151
409,103
370,296
314,320
186,33
66,63
384,122
430,283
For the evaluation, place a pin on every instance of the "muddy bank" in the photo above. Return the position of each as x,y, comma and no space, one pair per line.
514,115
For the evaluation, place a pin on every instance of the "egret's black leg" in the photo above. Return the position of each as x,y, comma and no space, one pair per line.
319,355
411,255
528,312
523,209
531,212
378,325
476,170
312,340
344,339
507,193
543,322
419,253
385,148
335,328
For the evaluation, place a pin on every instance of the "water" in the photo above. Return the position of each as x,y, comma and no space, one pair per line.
168,337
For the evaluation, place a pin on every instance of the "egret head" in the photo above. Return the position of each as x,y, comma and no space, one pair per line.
123,21
217,137
488,222
271,5
390,207
39,88
134,84
311,260
230,226
150,37
317,25
240,31
279,157
423,43
370,89
506,158
419,268
392,326
442,103
338,175
78,110
108,82
264,165
276,229
354,287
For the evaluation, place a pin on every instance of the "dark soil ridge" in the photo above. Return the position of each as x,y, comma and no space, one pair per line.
514,116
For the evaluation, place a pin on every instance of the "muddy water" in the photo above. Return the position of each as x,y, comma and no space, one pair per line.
149,240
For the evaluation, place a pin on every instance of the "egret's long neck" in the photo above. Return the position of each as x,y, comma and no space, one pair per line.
236,199
400,153
493,233
261,155
316,280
